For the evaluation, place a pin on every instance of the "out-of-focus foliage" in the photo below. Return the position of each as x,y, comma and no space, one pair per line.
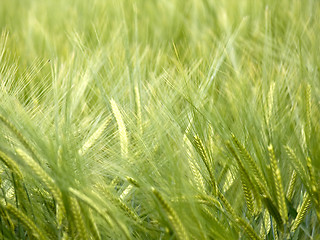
159,119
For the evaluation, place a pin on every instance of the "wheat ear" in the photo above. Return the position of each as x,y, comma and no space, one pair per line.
301,211
245,180
291,185
106,214
11,164
65,236
312,177
228,181
245,155
270,104
78,219
194,167
5,216
25,220
122,128
22,139
249,192
133,181
206,210
278,183
124,142
126,191
201,150
118,202
208,200
90,203
172,216
93,226
265,225
242,223
93,138
47,180
138,109
275,230
248,229
300,169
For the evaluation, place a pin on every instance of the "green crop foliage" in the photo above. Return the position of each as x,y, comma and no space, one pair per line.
168,119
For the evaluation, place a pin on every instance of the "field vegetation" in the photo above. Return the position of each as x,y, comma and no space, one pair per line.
180,119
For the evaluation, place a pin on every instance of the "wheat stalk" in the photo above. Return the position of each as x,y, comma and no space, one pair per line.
308,112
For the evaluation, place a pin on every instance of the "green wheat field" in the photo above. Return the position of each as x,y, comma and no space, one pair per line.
159,119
